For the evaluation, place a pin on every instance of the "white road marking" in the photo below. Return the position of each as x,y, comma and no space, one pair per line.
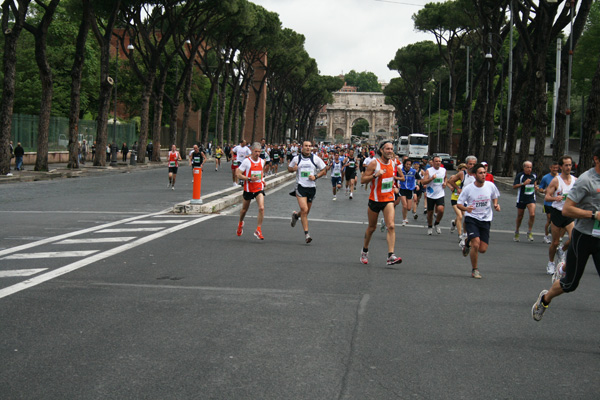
49,254
97,240
71,234
154,222
20,272
121,230
96,257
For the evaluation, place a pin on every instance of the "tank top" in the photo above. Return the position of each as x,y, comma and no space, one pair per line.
256,169
382,186
563,190
173,159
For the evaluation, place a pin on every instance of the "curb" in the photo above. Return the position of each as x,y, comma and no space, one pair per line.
229,200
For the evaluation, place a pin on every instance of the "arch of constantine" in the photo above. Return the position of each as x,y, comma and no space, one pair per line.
349,107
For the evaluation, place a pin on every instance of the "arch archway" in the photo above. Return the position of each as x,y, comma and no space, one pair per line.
338,136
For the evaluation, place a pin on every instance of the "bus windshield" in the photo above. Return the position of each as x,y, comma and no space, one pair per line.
419,140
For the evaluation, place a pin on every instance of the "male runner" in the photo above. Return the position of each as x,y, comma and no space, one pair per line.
381,174
174,157
466,178
526,183
544,183
350,173
407,188
197,157
557,193
479,197
308,168
583,204
336,174
435,179
250,172
239,153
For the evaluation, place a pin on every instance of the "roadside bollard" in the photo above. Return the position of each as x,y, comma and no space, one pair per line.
132,156
197,186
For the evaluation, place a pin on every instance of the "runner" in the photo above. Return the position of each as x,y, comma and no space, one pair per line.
250,172
457,221
197,157
544,183
174,158
557,193
380,173
276,155
435,179
350,173
582,204
308,169
419,189
466,178
480,197
218,155
239,153
407,188
336,174
525,182
366,163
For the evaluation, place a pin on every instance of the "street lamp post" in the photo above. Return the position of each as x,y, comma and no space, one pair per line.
113,146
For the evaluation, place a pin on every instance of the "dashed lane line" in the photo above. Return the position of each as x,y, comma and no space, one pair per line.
125,230
98,240
21,272
49,254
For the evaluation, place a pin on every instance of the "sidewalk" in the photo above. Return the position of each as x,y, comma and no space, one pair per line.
60,170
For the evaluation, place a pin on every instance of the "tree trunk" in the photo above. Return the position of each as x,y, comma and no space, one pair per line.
76,73
9,61
222,108
590,124
526,126
158,111
187,106
144,117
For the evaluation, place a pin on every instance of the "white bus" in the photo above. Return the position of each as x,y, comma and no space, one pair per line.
418,146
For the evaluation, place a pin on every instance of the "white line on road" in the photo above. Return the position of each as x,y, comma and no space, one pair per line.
121,230
96,257
71,234
20,272
49,254
154,222
97,240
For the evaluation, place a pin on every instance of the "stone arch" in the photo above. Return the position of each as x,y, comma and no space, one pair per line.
339,135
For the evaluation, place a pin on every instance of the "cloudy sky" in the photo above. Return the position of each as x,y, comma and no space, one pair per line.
342,35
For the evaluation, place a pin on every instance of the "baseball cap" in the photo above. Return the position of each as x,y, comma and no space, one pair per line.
371,153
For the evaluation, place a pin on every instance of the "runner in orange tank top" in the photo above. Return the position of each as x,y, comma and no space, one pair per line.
173,162
381,174
250,172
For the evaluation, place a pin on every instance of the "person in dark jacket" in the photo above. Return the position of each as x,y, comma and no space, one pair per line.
124,151
19,152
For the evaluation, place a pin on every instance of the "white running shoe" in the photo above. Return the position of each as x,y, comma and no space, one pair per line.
429,231
562,255
547,239
364,257
461,244
452,226
383,227
438,230
550,268
537,311
350,195
559,272
404,222
334,198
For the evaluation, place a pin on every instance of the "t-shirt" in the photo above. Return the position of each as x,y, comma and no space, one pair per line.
241,153
336,169
526,193
481,199
435,189
306,168
544,183
410,180
586,193
197,159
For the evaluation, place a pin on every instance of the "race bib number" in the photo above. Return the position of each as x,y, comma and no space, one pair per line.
306,172
196,160
481,203
351,164
564,196
236,163
387,184
171,163
256,174
336,174
438,180
275,156
529,189
596,229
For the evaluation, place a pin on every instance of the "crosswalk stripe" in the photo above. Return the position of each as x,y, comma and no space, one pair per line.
49,254
121,230
97,240
20,272
155,222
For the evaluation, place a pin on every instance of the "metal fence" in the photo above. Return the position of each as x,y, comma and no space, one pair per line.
25,131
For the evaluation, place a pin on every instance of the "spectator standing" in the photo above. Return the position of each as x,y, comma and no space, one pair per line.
83,149
124,151
18,153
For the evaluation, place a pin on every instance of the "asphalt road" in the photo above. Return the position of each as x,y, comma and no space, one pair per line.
186,309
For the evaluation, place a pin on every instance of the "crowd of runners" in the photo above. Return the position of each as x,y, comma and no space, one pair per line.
571,205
